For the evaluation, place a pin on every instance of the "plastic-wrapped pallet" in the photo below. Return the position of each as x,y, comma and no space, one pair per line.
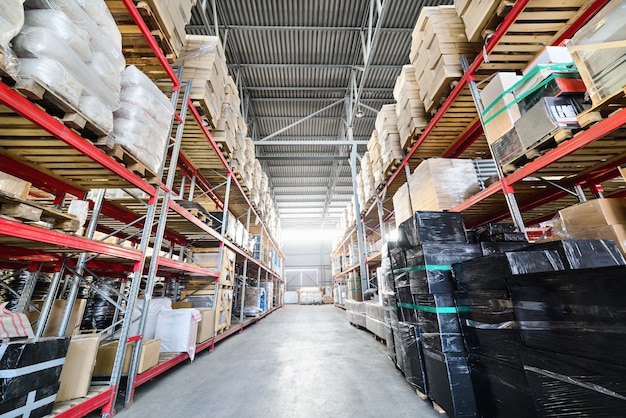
178,329
438,41
412,118
142,122
205,65
373,147
64,44
11,22
226,127
440,184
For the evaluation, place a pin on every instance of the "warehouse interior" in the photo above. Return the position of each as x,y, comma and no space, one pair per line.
300,198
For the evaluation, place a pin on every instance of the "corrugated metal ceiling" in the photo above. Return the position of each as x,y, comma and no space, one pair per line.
293,58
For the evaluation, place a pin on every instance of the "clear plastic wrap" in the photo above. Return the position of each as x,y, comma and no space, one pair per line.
38,42
59,23
108,43
106,71
98,112
99,12
54,75
11,22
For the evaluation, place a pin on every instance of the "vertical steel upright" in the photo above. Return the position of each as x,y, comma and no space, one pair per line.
242,294
158,239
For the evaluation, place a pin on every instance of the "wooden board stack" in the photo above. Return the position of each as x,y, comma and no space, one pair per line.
376,164
438,42
389,139
402,204
440,184
369,183
412,118
205,65
227,126
481,17
172,16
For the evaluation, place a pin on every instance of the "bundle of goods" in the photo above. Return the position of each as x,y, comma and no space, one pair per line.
65,44
388,138
142,122
11,22
412,118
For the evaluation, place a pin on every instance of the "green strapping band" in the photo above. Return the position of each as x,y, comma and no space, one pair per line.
573,73
427,267
432,309
390,308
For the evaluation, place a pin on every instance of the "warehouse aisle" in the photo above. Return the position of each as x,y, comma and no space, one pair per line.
300,361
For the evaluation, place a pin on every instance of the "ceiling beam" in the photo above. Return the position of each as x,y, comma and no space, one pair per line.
300,117
280,142
317,88
301,158
294,65
315,99
301,28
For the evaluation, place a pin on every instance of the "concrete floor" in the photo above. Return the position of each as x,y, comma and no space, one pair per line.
300,361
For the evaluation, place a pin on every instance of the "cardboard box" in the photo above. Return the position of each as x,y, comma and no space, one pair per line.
149,357
549,55
78,367
55,316
206,327
497,120
597,212
181,305
14,186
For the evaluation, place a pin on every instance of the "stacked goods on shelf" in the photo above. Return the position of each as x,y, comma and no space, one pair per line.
481,17
205,66
269,294
598,53
491,329
62,47
375,319
11,22
596,219
376,164
355,311
178,330
412,118
437,184
171,16
148,357
369,183
76,375
254,301
226,127
389,139
310,296
31,371
438,42
524,115
142,122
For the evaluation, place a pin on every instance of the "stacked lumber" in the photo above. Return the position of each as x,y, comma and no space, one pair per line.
369,183
171,17
481,17
205,66
227,126
439,184
412,118
438,42
389,139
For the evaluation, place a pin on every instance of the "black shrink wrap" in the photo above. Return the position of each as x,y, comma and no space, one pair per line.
489,325
576,312
406,302
439,324
489,248
501,390
570,386
34,404
585,253
489,273
31,364
413,361
430,265
449,383
427,226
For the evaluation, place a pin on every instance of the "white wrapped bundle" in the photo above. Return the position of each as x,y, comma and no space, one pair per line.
11,22
63,27
55,76
143,119
99,12
96,110
106,41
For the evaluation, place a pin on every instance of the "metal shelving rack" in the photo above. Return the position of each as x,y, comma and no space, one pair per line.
158,228
510,48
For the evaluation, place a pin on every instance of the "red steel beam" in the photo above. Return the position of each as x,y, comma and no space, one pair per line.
83,408
39,117
166,262
33,233
147,34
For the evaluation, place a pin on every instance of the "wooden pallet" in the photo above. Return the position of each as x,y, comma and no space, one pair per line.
63,406
421,395
30,211
391,167
120,154
603,110
67,113
158,30
539,148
